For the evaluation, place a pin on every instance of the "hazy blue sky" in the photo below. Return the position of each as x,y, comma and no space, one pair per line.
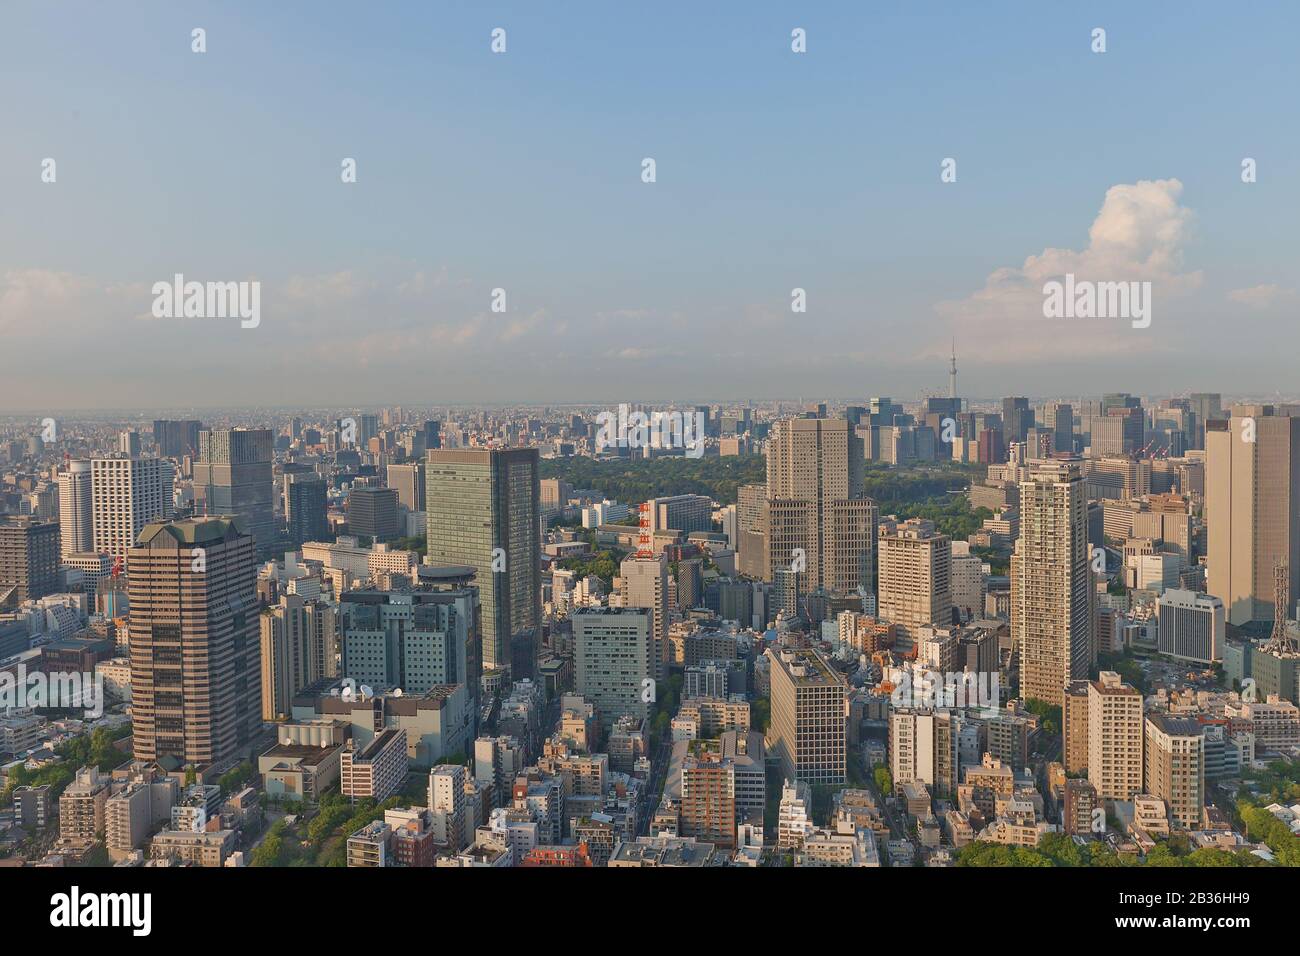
775,170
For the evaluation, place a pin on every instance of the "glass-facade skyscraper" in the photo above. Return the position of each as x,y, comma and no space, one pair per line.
484,512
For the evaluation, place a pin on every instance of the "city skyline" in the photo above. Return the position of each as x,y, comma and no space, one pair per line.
768,436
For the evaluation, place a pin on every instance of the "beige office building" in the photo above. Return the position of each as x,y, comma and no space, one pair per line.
612,663
645,585
817,522
1051,582
195,681
1252,507
915,587
809,716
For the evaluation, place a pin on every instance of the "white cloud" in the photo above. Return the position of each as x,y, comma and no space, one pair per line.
1262,296
1138,235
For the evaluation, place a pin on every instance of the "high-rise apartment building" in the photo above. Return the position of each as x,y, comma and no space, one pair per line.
127,494
29,558
924,748
1174,767
195,680
484,511
299,646
1252,507
82,808
233,477
1115,732
1074,727
809,716
1051,582
915,585
76,508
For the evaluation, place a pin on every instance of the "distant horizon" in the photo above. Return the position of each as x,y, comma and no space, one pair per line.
145,412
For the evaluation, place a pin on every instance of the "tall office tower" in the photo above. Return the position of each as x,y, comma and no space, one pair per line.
176,439
367,428
413,640
76,508
851,546
233,477
1206,406
1017,419
432,432
812,464
991,449
809,716
484,511
1192,626
1174,767
645,585
685,513
29,558
727,519
612,665
299,645
1114,737
1252,507
196,690
690,583
1051,582
408,481
126,495
306,508
915,586
372,512
937,409
1060,420
1074,727
128,443
751,531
